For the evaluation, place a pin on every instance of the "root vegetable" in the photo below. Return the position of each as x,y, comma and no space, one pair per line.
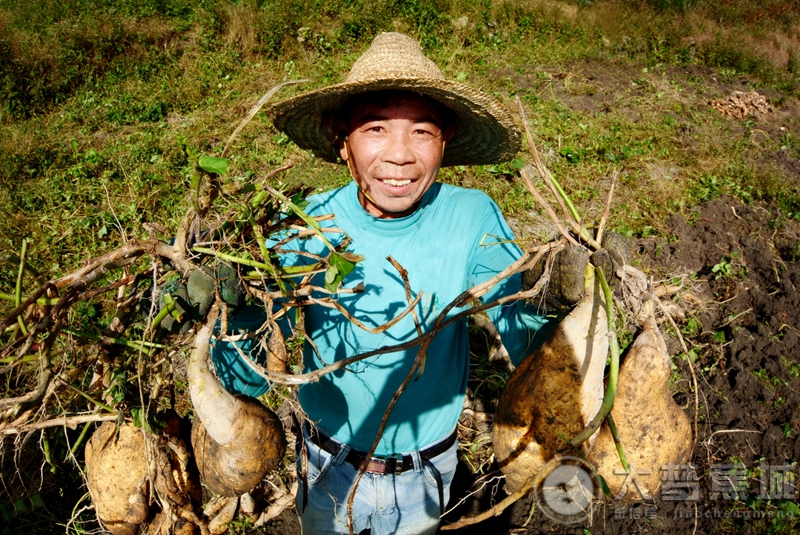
219,524
116,473
554,393
654,431
236,440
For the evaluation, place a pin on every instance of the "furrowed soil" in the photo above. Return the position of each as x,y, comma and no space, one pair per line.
742,327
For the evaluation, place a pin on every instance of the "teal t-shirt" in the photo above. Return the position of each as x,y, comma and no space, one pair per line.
457,238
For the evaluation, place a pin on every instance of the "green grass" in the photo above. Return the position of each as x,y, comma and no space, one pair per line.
99,100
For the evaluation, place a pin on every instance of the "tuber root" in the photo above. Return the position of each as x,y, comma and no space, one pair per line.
236,440
653,430
554,392
116,474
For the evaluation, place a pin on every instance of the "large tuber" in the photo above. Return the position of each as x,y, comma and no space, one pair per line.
236,440
116,473
654,431
554,392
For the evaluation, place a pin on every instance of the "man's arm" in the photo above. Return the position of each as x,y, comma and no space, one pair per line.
522,326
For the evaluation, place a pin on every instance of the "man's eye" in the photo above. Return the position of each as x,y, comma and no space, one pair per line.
424,133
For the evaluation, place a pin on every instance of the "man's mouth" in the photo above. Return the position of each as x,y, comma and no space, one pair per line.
396,183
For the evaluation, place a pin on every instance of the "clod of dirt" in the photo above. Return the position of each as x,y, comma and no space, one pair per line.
116,473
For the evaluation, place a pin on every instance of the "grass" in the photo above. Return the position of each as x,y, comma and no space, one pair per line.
100,101
103,102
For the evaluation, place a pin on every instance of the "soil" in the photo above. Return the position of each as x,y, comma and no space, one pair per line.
742,327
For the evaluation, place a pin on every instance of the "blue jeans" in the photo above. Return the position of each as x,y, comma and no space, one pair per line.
406,503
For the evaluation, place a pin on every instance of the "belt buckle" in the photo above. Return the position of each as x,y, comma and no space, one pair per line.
375,465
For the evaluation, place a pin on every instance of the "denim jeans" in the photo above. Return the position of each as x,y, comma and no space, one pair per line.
406,503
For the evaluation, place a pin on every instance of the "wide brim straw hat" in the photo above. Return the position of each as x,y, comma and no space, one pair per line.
485,132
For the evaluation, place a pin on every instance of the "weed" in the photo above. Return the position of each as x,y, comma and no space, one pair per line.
692,327
792,367
786,429
724,268
770,381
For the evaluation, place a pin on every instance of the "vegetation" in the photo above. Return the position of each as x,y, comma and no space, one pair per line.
104,104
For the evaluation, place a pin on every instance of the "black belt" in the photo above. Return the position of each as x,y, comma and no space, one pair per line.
378,465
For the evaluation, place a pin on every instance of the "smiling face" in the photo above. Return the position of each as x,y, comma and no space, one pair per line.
394,150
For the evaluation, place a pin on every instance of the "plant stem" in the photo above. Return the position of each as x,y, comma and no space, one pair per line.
43,301
230,258
172,305
169,306
134,344
310,221
47,455
623,459
262,246
18,290
287,271
27,358
87,396
571,207
81,438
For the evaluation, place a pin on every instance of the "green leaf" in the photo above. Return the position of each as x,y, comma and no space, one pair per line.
20,506
340,268
786,429
300,201
151,423
517,163
789,507
330,277
37,501
210,164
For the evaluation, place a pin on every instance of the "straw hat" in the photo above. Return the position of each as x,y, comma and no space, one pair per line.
485,132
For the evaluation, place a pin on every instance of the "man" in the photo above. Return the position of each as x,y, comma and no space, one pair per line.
394,122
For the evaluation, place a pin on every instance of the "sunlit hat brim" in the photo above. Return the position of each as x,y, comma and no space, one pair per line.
485,132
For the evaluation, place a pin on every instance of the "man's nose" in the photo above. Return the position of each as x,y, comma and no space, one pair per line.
398,149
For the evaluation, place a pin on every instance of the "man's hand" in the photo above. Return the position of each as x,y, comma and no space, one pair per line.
566,286
192,301
203,283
